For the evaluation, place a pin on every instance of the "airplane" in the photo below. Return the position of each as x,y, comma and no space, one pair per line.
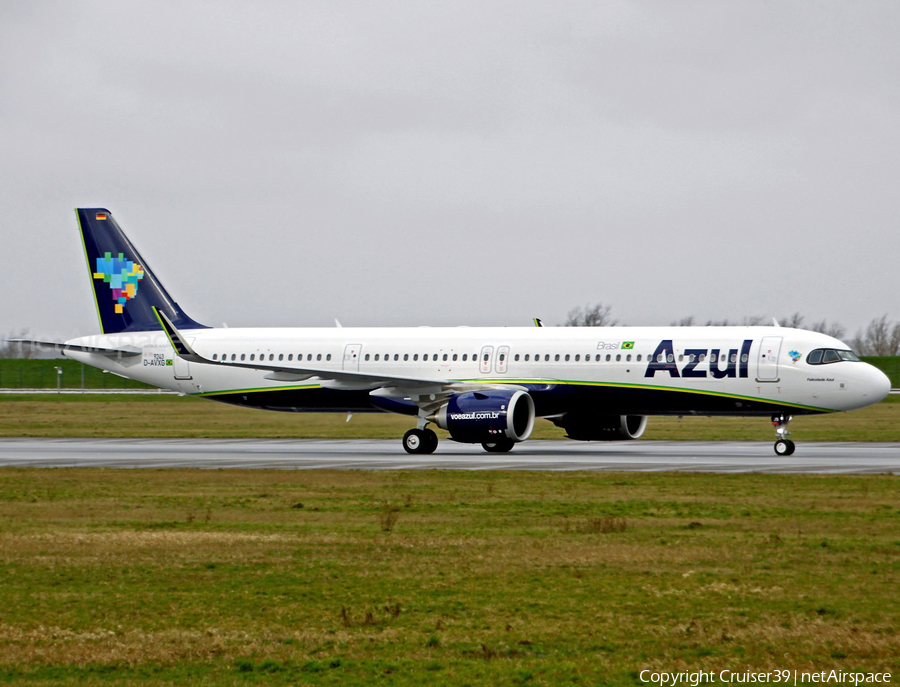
484,385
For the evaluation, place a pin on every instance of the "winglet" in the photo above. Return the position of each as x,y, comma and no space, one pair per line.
537,322
182,348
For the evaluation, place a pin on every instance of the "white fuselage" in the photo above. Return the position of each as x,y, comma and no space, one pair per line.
652,370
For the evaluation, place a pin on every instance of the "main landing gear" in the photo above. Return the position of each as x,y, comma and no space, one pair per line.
503,445
420,441
783,446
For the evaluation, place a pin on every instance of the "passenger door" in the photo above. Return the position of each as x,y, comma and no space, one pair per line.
767,362
351,357
502,360
484,360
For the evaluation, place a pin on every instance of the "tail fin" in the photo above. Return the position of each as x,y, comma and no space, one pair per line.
125,289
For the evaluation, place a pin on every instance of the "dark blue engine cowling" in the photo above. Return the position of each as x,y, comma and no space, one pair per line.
476,417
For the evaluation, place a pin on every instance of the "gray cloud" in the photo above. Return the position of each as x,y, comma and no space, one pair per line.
468,163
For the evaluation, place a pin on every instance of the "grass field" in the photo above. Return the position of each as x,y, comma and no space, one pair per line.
171,416
118,577
42,374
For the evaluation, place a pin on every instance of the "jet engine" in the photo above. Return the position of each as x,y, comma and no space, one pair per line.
586,427
489,416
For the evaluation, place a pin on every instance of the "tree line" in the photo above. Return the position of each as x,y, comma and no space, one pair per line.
879,337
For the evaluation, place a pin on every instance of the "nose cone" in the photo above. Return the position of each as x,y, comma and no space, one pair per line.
875,384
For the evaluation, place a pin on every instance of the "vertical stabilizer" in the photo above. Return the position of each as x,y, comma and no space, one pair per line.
125,289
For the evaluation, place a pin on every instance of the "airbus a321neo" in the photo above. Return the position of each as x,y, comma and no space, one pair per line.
484,385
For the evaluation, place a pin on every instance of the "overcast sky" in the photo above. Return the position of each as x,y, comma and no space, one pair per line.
483,163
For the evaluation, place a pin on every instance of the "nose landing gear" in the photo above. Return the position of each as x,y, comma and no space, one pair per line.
783,446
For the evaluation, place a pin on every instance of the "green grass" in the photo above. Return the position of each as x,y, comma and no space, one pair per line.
41,374
171,416
279,577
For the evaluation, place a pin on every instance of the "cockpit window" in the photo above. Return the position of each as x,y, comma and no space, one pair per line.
823,356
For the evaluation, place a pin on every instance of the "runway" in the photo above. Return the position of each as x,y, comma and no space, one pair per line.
360,454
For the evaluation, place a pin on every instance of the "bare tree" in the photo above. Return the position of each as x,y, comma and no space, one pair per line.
591,316
11,349
718,323
879,338
753,320
834,329
685,322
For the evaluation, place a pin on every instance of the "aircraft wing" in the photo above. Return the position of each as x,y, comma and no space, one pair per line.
423,391
123,352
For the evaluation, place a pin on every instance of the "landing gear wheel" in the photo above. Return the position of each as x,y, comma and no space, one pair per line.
431,441
420,441
500,446
784,447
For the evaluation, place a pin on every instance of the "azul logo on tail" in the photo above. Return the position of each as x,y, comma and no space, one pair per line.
122,275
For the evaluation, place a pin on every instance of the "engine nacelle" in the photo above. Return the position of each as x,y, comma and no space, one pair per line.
476,417
586,427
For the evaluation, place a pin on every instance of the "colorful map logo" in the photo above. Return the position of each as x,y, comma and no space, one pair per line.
795,356
123,277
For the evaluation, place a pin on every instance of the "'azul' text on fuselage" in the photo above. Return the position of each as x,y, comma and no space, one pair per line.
722,363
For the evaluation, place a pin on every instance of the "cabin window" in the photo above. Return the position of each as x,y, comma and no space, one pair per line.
318,356
396,356
465,357
290,356
415,356
744,358
680,357
609,357
281,356
376,356
435,357
328,357
556,358
628,358
619,358
733,357
232,356
670,358
406,356
516,357
546,357
639,357
454,357
485,357
367,356
253,357
567,357
577,357
502,357
243,356
309,356
445,356
214,356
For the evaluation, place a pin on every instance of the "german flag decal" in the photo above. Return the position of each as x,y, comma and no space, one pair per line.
101,215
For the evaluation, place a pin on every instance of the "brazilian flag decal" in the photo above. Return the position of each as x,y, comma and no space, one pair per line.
169,362
627,344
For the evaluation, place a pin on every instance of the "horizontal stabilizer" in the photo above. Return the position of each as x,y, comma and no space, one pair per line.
123,352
